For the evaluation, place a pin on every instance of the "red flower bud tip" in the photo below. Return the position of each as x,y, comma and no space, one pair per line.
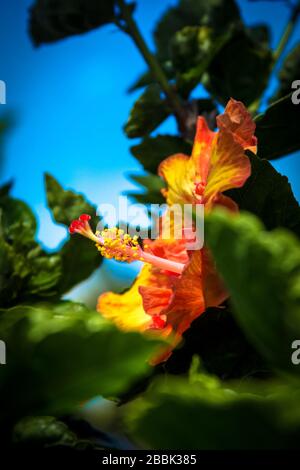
75,225
84,217
82,226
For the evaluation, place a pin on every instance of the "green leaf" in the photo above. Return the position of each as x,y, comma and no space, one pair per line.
26,271
61,355
290,71
66,205
193,49
152,150
268,195
151,189
148,181
260,33
147,78
202,414
225,352
51,20
5,189
216,14
262,272
239,70
79,257
43,431
79,260
142,81
277,129
148,112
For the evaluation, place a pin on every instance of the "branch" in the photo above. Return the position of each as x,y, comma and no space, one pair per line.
131,28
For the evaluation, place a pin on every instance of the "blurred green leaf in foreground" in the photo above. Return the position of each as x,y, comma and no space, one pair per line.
60,355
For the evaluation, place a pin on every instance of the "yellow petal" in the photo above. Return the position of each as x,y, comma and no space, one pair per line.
179,173
229,167
126,310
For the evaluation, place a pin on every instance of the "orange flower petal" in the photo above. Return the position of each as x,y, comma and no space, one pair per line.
188,302
182,172
199,287
218,161
126,310
202,149
155,299
171,249
238,121
224,201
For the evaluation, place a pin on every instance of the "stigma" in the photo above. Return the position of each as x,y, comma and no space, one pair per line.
114,243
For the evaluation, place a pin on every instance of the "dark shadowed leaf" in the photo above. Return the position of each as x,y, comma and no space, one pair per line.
277,129
79,260
269,195
240,69
216,14
148,112
289,72
152,150
43,431
141,82
261,33
147,78
224,350
193,49
51,20
262,272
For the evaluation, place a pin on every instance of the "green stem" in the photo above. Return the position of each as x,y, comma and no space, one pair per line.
287,32
132,29
280,48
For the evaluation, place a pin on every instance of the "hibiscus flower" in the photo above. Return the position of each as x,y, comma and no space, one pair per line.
175,285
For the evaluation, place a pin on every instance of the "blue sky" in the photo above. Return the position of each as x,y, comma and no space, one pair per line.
69,102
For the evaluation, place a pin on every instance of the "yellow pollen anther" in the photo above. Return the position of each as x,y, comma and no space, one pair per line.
114,243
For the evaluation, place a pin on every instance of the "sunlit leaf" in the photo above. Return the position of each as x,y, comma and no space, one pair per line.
203,414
